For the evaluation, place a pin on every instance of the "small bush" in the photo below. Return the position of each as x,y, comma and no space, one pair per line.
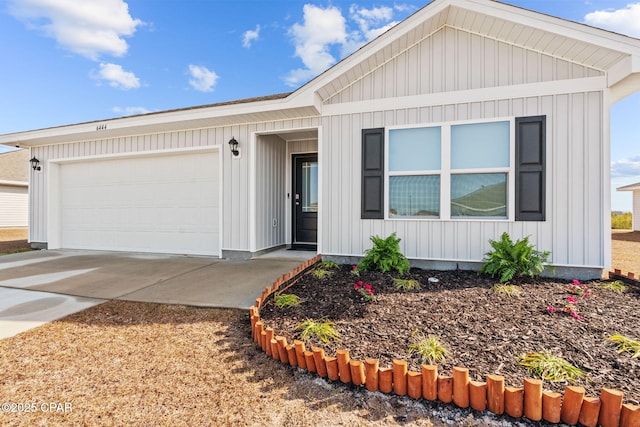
406,284
384,256
320,273
626,345
545,365
286,300
429,348
621,221
509,259
616,286
324,331
327,265
509,290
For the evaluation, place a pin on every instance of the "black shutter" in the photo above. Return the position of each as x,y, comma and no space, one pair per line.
530,168
372,205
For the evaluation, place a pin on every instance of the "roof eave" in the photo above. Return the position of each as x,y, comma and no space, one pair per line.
189,118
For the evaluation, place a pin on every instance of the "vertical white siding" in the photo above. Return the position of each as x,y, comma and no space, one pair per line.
270,191
572,230
235,174
455,60
636,210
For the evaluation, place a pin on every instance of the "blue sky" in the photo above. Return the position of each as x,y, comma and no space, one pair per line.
70,61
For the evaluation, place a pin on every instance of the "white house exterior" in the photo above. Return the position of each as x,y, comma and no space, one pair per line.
635,215
469,119
14,189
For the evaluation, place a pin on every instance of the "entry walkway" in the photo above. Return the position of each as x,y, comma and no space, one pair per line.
40,286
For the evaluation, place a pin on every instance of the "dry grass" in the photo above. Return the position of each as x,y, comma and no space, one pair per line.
124,363
625,248
9,234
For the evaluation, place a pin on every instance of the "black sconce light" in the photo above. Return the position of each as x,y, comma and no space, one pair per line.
233,145
35,164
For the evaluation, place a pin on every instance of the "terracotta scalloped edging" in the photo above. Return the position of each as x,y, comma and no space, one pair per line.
530,400
628,278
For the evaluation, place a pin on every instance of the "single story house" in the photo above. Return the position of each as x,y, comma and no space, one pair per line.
468,119
635,215
14,189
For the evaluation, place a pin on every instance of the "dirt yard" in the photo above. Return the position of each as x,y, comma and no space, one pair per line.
625,248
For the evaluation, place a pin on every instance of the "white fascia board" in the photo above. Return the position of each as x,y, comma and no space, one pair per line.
624,68
631,187
159,118
552,24
588,84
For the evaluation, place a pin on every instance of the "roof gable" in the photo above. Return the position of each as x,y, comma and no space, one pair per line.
556,38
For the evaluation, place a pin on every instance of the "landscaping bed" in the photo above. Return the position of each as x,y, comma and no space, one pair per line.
484,331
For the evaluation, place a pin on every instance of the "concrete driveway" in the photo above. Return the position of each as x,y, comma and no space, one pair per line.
40,286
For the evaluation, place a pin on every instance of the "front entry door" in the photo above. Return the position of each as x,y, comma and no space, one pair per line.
305,201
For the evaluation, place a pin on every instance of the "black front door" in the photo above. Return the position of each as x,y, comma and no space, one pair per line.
305,201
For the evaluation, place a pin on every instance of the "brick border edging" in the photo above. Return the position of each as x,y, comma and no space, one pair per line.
530,401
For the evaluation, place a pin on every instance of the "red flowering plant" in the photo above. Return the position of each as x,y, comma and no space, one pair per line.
366,290
570,308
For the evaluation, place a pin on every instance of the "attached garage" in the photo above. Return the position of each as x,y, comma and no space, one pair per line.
163,203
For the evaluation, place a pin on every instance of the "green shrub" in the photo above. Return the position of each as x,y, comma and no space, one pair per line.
616,286
509,259
429,348
406,284
323,331
545,365
384,256
320,273
509,290
286,300
327,265
626,345
621,221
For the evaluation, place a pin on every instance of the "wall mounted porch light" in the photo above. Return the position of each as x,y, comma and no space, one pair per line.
233,145
35,164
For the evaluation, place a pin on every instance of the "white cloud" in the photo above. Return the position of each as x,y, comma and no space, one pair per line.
323,29
202,79
249,36
626,167
117,77
130,111
624,21
88,28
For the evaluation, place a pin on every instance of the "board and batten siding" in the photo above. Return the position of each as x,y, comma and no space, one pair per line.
573,229
270,190
456,60
636,211
235,180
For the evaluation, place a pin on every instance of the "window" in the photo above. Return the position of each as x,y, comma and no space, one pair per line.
450,171
476,170
414,180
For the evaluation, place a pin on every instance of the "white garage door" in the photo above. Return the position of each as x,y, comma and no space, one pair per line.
163,204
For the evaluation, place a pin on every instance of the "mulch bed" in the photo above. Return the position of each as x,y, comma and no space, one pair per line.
484,331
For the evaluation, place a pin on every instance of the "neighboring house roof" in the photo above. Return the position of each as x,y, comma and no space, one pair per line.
630,187
14,168
615,57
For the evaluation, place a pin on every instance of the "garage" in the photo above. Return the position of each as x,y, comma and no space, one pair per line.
167,203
